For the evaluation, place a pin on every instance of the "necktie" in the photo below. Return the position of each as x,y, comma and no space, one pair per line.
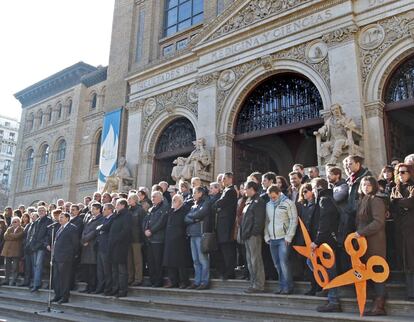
59,232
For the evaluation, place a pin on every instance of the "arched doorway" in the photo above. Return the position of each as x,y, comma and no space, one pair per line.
275,124
399,110
176,140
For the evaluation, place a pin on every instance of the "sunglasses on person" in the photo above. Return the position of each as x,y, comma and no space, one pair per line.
305,191
402,172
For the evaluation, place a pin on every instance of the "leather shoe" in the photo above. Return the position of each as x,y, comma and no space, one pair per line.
84,291
192,286
136,284
170,285
113,293
61,301
55,299
97,292
202,287
122,294
329,307
34,289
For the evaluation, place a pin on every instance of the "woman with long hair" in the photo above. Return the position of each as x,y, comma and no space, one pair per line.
370,222
402,208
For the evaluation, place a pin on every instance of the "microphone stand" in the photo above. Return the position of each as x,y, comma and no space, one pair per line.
52,252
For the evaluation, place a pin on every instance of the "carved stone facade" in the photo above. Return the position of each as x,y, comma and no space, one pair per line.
346,49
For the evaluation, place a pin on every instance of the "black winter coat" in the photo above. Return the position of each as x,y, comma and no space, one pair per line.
78,222
89,235
225,210
156,221
40,237
328,219
353,197
253,221
137,216
119,237
102,239
175,249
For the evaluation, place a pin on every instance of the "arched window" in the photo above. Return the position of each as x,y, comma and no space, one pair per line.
49,114
60,160
98,147
40,118
28,167
94,100
401,84
69,107
44,160
59,111
281,100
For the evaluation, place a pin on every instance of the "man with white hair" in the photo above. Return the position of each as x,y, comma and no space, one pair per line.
38,244
165,193
409,159
154,225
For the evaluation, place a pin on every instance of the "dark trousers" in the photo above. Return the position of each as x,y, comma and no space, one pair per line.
90,275
120,277
178,276
104,272
12,266
155,254
62,279
228,259
75,269
28,268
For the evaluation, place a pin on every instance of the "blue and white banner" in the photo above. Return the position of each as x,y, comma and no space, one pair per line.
109,146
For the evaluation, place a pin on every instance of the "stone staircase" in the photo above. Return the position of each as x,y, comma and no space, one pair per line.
225,301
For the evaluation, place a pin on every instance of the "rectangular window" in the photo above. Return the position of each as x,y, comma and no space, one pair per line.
140,35
27,181
182,14
7,165
41,177
182,44
58,172
9,149
168,50
11,136
5,179
7,124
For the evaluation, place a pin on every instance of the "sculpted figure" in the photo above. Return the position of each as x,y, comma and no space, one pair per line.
121,180
336,134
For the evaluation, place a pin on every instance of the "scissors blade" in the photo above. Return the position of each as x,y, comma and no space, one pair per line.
305,233
303,250
341,280
361,292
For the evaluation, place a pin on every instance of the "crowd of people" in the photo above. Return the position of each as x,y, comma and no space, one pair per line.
111,240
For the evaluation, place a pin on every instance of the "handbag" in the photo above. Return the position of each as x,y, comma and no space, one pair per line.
208,241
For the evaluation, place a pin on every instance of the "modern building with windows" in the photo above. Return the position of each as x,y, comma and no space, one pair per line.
254,78
9,129
59,141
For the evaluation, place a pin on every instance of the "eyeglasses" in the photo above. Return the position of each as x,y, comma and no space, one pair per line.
402,172
305,191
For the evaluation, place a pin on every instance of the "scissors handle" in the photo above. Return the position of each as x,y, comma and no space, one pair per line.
320,273
378,261
326,255
350,249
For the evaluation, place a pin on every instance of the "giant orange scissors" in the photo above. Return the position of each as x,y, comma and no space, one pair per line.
324,252
361,273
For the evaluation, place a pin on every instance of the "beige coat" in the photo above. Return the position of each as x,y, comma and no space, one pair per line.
13,242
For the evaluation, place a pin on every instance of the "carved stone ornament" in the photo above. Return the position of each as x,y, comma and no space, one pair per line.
371,37
316,51
225,139
135,105
227,79
198,164
192,94
254,11
337,138
340,35
150,106
395,29
207,79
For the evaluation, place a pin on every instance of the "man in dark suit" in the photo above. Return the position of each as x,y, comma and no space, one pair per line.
225,209
104,267
119,241
65,249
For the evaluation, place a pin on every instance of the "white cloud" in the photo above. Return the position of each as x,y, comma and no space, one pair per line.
40,38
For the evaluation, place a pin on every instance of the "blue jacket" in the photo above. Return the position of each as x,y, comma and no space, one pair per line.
200,214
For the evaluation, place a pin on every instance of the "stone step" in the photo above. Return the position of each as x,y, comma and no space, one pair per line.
227,305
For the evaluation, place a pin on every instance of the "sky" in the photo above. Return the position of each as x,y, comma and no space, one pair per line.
41,37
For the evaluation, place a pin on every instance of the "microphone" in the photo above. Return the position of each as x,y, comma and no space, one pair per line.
51,225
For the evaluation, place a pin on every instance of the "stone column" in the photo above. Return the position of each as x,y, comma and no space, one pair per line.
375,137
344,70
224,153
207,111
